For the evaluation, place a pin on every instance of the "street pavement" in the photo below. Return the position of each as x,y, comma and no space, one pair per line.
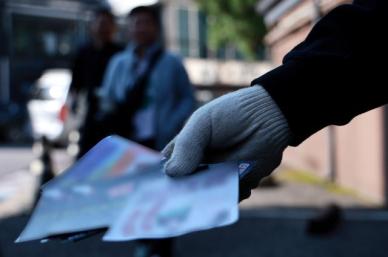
15,158
258,234
273,222
19,178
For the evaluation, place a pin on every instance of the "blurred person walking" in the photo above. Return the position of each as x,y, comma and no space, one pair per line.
89,67
146,96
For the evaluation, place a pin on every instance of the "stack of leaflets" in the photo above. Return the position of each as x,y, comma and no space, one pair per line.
119,188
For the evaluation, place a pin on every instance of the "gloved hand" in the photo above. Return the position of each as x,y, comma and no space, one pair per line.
245,125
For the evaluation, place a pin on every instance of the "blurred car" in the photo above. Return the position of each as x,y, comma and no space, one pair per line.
49,108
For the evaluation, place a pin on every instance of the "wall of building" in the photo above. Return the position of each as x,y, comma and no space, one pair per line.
293,26
360,155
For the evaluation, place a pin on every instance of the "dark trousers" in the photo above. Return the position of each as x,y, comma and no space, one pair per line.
154,247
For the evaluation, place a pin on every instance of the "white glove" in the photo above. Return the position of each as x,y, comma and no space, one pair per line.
245,125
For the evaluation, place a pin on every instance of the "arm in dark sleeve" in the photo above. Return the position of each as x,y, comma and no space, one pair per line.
76,70
334,74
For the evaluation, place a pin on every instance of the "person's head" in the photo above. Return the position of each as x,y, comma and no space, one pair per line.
143,25
103,25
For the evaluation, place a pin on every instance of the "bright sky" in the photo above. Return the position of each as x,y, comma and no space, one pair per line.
122,7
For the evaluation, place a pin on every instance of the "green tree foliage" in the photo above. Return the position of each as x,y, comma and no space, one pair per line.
234,22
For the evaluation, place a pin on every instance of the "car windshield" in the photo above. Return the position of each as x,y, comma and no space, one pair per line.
52,85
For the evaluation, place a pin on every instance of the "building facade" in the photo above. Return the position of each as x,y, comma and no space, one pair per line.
37,34
212,72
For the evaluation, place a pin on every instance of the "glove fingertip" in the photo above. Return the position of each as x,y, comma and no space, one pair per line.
168,150
174,169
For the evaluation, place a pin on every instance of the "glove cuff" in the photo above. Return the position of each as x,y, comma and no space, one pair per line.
258,107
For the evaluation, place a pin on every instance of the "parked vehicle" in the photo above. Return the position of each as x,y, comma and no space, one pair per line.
49,108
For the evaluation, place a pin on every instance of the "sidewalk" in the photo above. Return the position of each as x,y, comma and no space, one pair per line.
297,189
19,184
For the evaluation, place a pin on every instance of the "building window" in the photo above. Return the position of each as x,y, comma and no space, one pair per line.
191,27
184,35
38,37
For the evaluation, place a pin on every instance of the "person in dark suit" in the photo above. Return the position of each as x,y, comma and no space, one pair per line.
89,67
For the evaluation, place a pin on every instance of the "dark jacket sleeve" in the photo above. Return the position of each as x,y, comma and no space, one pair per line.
336,73
76,70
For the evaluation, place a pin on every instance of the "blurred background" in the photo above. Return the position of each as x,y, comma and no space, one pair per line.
327,199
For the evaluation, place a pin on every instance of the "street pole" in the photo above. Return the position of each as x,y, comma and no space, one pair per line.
318,10
331,173
4,54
